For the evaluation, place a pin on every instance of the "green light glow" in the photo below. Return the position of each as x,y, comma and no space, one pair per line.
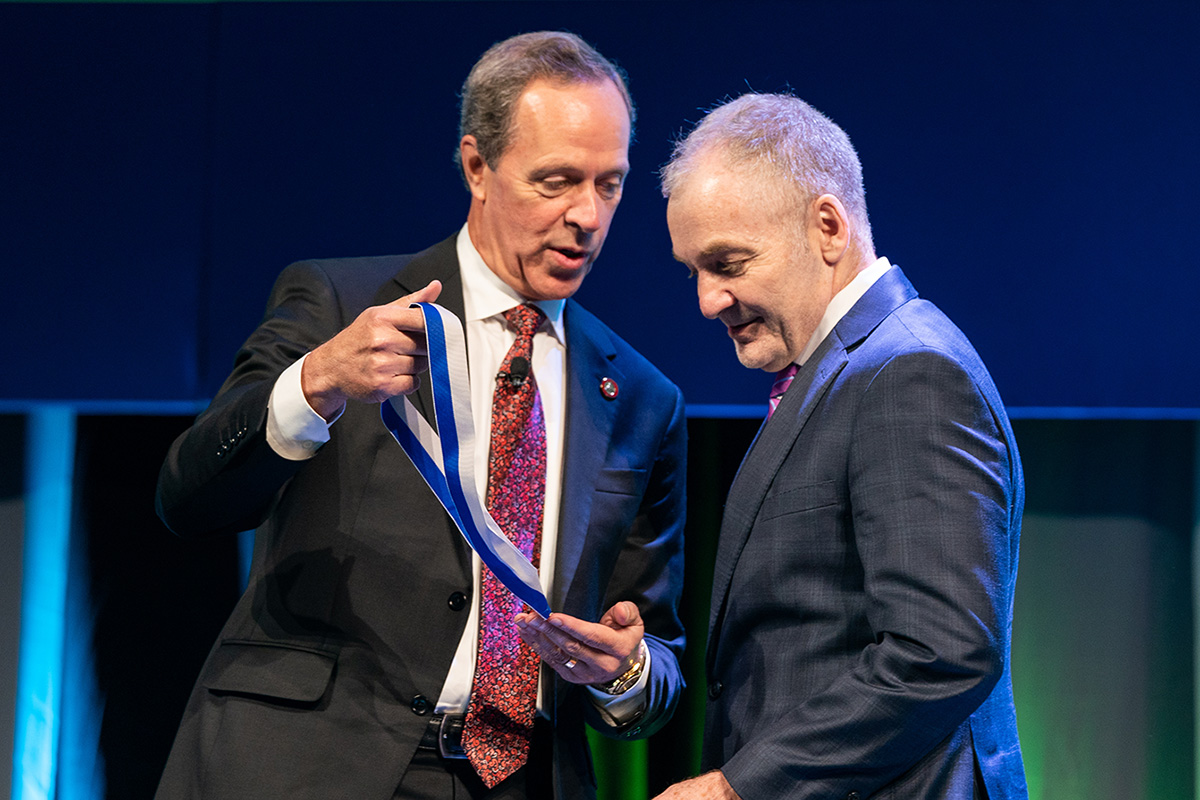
622,768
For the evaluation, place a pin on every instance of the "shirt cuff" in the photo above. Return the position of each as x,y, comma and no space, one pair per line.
294,430
621,708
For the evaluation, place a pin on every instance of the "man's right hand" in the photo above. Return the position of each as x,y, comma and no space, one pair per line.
709,786
377,356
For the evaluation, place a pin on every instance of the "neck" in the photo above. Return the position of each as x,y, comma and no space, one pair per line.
852,262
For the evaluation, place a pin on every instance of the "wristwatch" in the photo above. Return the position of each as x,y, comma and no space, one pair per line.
623,682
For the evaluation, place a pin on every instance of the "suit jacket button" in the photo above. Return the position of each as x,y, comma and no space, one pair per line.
457,601
714,690
420,705
853,796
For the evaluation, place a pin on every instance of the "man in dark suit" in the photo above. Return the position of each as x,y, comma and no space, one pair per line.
347,667
862,597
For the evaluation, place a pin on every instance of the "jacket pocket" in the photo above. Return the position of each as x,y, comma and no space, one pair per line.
799,499
270,670
622,481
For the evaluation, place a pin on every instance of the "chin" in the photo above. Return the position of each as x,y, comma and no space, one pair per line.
557,289
752,358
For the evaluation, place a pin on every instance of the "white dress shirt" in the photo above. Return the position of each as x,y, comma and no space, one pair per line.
841,304
295,431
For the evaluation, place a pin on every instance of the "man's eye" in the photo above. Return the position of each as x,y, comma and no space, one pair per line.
555,185
609,189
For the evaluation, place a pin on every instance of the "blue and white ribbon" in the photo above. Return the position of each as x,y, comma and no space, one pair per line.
447,461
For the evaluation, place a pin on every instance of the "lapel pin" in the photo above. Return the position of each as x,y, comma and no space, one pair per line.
609,388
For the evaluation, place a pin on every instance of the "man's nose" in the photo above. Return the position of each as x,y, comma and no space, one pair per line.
585,212
714,297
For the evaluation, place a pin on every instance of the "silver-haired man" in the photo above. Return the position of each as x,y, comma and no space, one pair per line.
862,599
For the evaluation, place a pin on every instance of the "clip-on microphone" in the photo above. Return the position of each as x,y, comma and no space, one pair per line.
518,372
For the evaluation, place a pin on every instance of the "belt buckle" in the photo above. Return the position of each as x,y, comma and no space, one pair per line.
450,731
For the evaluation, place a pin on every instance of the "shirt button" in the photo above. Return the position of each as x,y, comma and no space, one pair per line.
714,690
457,601
420,705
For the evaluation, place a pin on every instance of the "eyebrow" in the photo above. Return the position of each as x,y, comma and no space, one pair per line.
571,169
717,248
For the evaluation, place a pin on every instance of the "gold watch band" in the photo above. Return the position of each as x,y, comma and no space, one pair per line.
623,682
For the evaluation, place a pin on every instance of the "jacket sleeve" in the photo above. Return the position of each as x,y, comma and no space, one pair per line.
649,572
221,475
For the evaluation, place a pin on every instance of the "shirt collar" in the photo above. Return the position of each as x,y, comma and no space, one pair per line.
841,304
486,296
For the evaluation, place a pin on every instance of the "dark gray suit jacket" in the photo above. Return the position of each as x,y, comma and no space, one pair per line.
862,601
323,679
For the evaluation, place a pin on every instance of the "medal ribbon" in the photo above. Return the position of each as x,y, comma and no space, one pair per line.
446,460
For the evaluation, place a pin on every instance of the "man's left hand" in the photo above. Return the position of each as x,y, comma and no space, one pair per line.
709,786
586,652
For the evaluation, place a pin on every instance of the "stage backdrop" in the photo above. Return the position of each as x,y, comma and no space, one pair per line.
1031,166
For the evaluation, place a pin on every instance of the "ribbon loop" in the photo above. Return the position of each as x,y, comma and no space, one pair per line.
446,460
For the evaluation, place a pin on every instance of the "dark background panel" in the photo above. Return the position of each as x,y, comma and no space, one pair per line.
157,602
103,193
1030,166
1103,632
12,525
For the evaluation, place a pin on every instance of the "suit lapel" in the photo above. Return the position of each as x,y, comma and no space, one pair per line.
778,435
891,291
761,463
590,357
439,262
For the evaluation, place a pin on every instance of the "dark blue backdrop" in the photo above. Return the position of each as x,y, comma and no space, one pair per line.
1031,166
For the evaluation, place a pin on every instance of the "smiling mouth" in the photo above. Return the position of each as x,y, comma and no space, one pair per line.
571,254
741,328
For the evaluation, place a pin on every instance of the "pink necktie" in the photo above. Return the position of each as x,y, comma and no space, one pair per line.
499,722
783,379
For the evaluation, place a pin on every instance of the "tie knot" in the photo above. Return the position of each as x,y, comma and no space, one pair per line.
783,379
525,319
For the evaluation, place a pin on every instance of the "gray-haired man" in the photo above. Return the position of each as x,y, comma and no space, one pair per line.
862,597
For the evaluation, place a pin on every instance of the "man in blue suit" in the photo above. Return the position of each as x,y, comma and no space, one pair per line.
862,598
348,668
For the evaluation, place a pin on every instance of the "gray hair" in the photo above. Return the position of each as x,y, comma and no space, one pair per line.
496,82
779,136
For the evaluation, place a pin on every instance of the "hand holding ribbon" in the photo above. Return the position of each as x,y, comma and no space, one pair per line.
377,356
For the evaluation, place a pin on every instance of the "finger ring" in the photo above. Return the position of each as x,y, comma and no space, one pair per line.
570,663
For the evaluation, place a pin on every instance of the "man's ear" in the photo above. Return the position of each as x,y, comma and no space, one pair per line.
830,228
474,167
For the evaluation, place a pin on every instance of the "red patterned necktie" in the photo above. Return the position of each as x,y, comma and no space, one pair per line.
783,379
499,723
